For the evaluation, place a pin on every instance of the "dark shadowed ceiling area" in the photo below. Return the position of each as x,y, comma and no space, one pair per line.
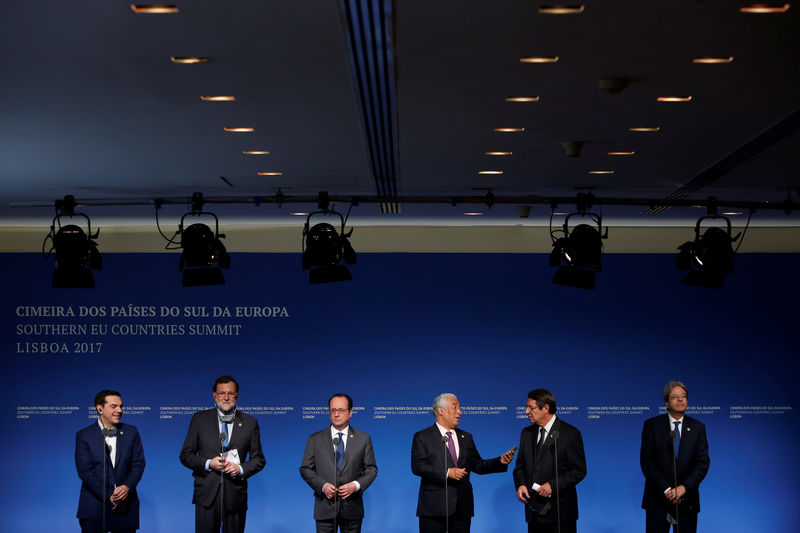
396,102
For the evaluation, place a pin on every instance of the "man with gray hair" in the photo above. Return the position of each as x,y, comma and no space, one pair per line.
674,460
443,456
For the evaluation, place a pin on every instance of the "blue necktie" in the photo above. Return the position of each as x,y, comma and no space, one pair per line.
677,437
227,436
340,451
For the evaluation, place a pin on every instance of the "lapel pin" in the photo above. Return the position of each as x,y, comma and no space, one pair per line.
121,432
688,429
240,424
462,436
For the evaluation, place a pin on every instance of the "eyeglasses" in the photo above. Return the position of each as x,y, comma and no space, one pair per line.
678,397
339,411
227,394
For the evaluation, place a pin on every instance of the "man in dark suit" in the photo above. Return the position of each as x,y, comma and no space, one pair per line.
338,501
108,502
550,465
222,449
443,458
674,460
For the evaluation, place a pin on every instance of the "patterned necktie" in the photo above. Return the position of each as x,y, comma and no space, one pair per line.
540,442
677,436
452,447
340,451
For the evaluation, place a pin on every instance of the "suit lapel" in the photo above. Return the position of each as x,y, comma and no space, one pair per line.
120,443
351,441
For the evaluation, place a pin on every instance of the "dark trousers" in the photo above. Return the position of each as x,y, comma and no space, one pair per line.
437,524
207,519
96,526
657,523
343,525
567,526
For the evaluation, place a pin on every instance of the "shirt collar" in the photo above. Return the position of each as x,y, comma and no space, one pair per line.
673,420
335,432
549,425
444,431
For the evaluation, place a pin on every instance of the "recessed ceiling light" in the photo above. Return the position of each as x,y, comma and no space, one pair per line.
490,172
522,99
621,153
473,213
674,99
498,153
765,8
712,60
539,59
560,213
601,172
509,130
561,10
189,60
218,98
154,9
645,128
239,130
255,152
299,213
270,173
732,213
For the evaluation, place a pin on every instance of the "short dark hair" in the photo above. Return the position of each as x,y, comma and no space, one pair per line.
342,395
543,397
225,379
671,385
100,397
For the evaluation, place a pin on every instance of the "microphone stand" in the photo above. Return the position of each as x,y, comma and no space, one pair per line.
554,435
336,494
672,436
445,440
106,452
222,437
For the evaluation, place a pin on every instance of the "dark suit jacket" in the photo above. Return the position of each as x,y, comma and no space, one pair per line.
430,460
656,461
90,447
202,443
542,469
319,467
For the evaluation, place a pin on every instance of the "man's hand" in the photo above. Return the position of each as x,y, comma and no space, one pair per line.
507,457
676,495
456,473
231,469
329,490
217,463
545,490
522,493
346,490
119,494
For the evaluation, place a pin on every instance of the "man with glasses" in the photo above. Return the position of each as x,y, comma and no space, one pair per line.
222,449
339,465
674,460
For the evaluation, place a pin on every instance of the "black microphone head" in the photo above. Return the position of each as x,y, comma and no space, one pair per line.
554,434
672,434
222,436
445,439
335,441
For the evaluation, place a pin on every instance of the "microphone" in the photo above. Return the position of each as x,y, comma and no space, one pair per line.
554,436
673,436
336,441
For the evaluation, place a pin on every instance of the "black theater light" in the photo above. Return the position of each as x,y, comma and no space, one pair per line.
578,251
76,251
709,257
203,252
326,252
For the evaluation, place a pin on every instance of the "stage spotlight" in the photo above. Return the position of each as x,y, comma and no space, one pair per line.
203,252
74,249
577,254
709,257
326,252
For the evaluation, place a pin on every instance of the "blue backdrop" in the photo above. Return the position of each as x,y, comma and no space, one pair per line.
486,327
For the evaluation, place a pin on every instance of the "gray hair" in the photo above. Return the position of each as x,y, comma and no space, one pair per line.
671,385
441,401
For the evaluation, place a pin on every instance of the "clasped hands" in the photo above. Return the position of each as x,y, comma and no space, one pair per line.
675,495
221,465
119,494
544,490
344,491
